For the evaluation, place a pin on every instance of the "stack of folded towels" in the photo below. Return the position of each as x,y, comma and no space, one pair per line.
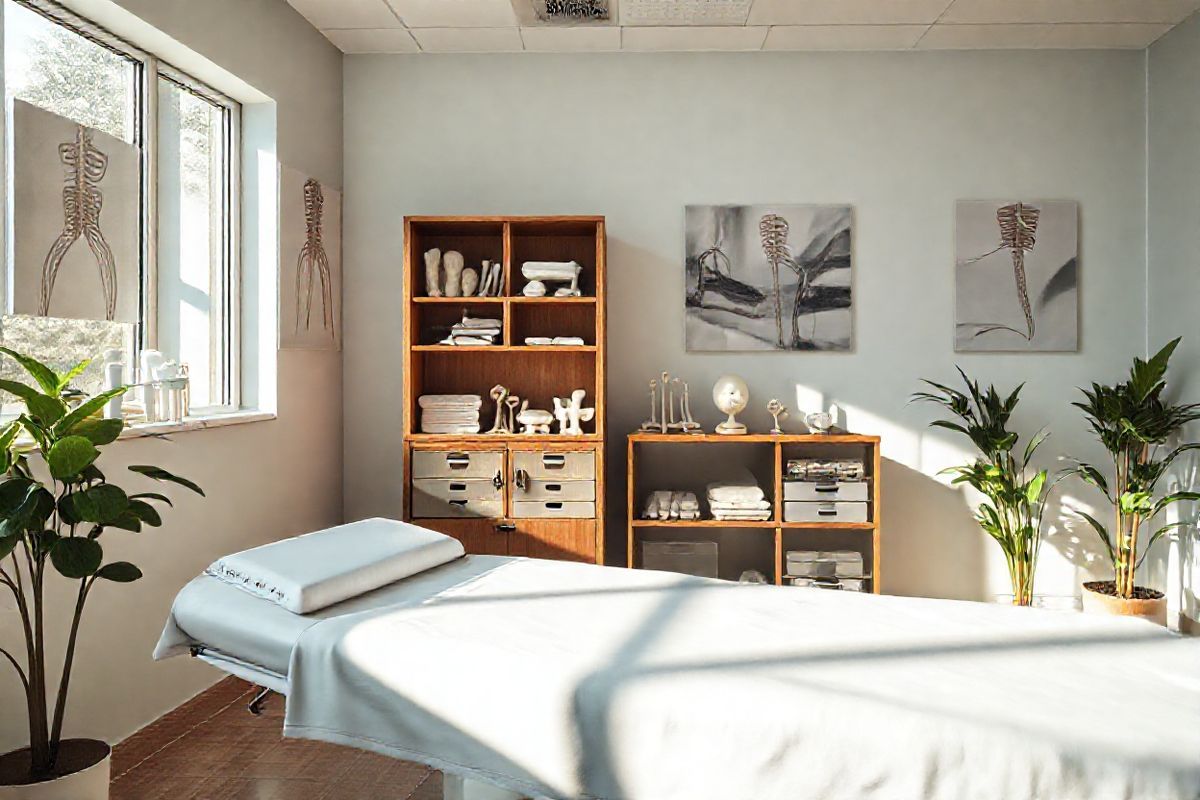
450,413
738,501
672,505
474,331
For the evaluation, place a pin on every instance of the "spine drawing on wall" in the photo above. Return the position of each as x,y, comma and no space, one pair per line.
1031,246
82,199
313,262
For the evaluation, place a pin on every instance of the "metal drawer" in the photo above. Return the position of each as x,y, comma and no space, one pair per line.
824,512
555,465
537,489
813,491
457,464
526,509
457,498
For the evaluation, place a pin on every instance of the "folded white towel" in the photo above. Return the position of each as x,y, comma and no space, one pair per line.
568,341
753,516
752,505
449,428
734,493
308,573
444,400
538,341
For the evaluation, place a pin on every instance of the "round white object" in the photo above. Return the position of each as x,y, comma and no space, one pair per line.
731,394
534,289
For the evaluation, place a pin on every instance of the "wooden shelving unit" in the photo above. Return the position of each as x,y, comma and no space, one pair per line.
862,536
536,373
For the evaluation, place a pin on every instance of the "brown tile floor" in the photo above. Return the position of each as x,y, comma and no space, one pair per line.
211,748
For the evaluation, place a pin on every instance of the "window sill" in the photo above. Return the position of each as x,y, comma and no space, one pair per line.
145,429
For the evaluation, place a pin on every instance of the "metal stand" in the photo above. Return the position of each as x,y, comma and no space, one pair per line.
255,706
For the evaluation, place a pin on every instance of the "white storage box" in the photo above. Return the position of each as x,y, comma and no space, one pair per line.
824,512
689,558
826,492
838,584
825,563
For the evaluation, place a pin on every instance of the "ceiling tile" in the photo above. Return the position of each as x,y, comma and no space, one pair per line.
385,40
468,40
1054,11
571,40
844,37
455,13
347,13
846,12
1024,37
692,38
684,12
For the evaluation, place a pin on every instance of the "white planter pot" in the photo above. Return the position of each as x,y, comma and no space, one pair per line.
88,783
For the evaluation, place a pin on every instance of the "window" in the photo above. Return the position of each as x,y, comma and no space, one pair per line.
188,135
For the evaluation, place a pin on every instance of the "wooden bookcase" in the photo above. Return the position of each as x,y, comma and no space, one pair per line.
775,536
535,373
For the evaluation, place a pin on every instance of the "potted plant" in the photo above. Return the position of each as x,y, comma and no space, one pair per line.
1133,421
1015,494
54,512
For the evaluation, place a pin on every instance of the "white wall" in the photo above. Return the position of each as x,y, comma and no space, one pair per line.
264,480
901,136
1174,243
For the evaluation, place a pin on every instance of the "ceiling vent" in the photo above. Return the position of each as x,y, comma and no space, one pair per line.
565,12
685,12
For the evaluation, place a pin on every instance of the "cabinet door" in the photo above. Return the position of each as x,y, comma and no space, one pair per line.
485,537
559,539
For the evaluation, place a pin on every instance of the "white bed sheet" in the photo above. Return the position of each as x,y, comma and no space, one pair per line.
574,681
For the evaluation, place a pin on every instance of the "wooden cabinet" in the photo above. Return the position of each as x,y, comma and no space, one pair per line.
539,495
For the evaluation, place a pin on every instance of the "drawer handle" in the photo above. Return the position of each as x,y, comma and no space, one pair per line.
459,503
554,460
505,527
522,479
498,480
553,487
827,488
458,487
827,510
458,460
554,506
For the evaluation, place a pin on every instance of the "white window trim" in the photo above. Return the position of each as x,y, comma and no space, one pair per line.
146,136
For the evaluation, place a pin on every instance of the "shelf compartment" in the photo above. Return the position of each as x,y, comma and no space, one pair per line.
475,370
704,523
561,240
477,240
431,323
551,320
737,550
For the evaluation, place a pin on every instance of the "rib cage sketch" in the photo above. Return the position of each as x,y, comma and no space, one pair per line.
85,167
1018,233
313,259
773,229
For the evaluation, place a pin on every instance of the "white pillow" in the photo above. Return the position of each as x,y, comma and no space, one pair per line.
309,572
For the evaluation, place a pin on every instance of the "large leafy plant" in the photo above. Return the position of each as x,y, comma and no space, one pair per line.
1014,493
54,510
1132,420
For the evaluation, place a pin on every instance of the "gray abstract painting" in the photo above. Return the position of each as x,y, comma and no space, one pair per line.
767,277
1017,276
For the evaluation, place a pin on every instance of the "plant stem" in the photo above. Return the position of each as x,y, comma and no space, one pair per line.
60,703
39,746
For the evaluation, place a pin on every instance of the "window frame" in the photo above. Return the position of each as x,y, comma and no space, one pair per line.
148,70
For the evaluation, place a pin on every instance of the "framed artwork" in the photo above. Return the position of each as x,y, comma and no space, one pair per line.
769,277
1016,281
310,272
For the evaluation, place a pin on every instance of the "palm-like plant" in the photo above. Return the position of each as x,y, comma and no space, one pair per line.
53,512
1132,421
1015,495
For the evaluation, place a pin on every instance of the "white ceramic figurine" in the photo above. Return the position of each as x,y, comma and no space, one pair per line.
731,396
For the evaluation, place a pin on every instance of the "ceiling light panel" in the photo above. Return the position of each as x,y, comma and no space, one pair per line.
685,12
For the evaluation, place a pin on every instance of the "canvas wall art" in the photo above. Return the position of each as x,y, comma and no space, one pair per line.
1017,276
310,275
76,212
769,277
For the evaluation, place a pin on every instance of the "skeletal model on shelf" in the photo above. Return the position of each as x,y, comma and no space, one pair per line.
662,407
778,411
499,395
569,412
447,276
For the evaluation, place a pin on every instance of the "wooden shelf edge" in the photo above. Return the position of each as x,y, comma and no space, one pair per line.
459,300
704,523
432,438
829,526
754,438
496,348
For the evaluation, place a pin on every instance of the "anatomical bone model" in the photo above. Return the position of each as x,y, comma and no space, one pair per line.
777,411
453,263
569,412
538,273
433,272
313,262
534,420
83,200
664,404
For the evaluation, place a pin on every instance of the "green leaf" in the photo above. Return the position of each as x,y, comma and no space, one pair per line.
1173,498
119,572
127,521
1033,492
44,408
12,493
1034,444
160,474
152,496
102,504
146,513
68,457
8,544
65,380
1101,531
86,409
76,557
45,377
99,431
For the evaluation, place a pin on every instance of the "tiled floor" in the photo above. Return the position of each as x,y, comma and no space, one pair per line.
211,748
